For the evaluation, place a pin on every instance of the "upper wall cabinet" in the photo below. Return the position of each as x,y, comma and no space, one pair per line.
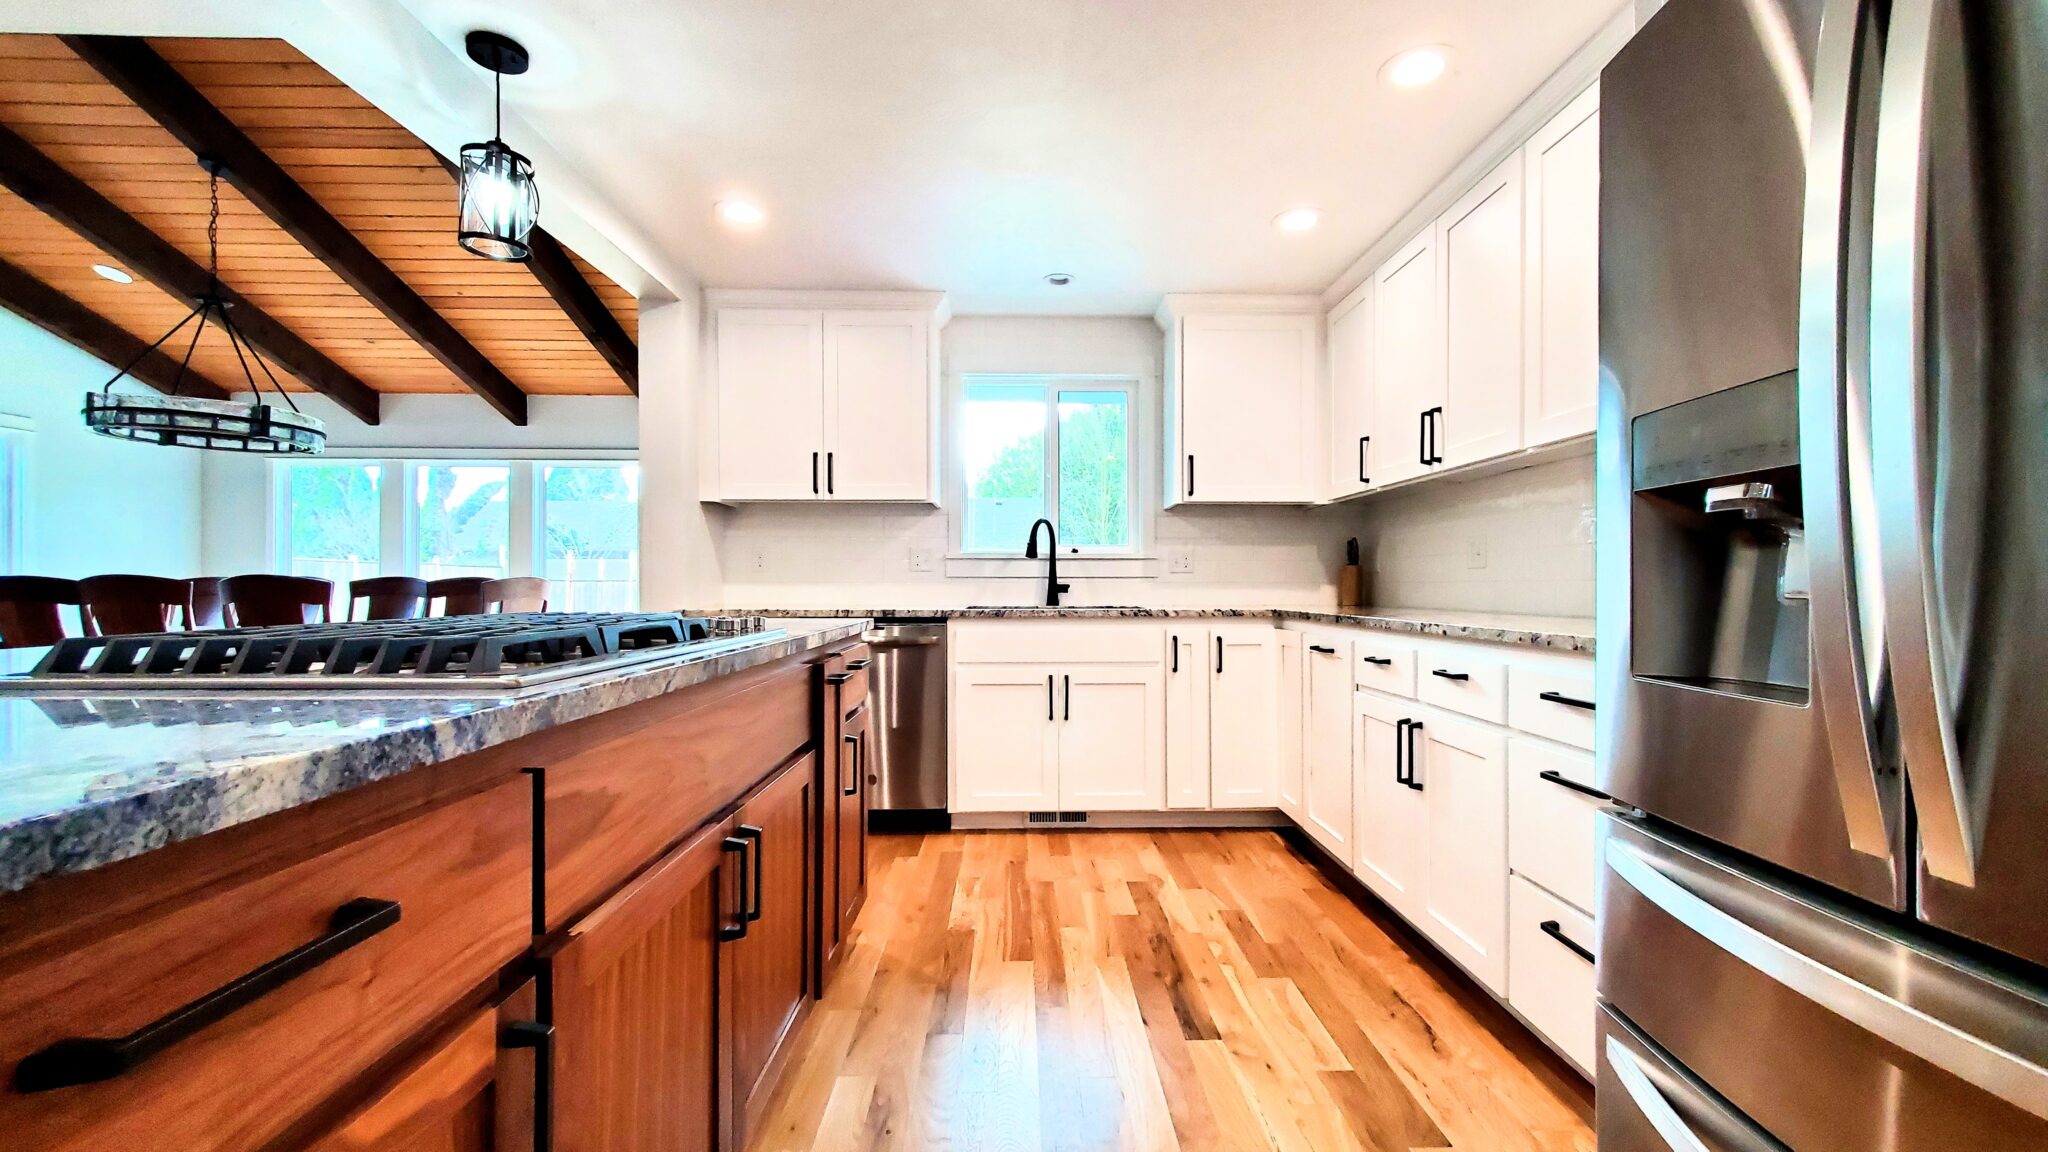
1408,368
1479,289
1353,455
1242,397
1561,267
830,396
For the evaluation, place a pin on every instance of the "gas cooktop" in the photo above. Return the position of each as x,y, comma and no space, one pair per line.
498,651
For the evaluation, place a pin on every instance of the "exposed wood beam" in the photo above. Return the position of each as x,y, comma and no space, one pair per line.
67,319
147,79
550,264
70,201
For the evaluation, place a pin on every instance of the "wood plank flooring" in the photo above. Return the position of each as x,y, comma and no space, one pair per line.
1151,990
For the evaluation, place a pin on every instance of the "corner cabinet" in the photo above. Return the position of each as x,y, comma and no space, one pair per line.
1243,397
823,396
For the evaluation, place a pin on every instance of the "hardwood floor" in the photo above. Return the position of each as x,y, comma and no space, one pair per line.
1150,990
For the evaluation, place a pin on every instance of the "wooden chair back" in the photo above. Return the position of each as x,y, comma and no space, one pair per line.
204,607
263,599
122,605
28,609
516,594
459,595
388,598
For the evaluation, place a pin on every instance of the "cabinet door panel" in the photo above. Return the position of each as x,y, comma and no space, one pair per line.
850,815
771,970
1247,383
1111,752
1407,358
1243,682
1561,174
1479,279
771,403
1187,720
638,993
1463,770
1004,759
1351,398
1391,817
878,405
1326,794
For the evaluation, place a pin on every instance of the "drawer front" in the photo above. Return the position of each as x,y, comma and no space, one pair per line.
1553,702
857,662
1549,983
461,877
1553,828
1063,641
1464,682
1384,666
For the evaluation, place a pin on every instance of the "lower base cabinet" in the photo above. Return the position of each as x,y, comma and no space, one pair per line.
1550,977
771,961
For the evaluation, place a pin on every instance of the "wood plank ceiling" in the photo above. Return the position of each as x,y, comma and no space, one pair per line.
382,183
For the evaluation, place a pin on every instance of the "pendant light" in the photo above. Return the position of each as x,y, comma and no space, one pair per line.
499,202
195,422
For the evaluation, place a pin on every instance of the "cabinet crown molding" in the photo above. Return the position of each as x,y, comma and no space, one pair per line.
1180,305
829,299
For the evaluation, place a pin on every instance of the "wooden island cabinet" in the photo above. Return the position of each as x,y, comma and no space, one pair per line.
600,936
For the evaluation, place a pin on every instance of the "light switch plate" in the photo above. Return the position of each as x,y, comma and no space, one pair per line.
1180,561
920,559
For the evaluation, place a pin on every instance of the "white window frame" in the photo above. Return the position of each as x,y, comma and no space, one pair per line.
16,436
1051,385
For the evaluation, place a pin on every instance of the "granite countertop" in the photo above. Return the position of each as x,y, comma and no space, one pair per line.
1562,633
90,779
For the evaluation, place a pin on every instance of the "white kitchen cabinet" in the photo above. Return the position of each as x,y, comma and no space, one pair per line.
771,404
818,397
1480,289
1351,396
1243,684
1553,819
1461,768
1005,745
1561,272
1243,393
1109,739
1391,814
1292,718
1187,718
1326,790
1407,356
1550,970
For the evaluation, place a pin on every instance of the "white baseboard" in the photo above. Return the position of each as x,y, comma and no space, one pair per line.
1015,821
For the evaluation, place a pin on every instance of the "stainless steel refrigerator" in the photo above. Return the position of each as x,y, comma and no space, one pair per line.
1823,577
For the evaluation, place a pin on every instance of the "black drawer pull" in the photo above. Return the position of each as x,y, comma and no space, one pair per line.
1460,677
1563,781
1321,648
90,1059
1381,661
737,930
1551,929
1567,701
857,665
541,1038
837,678
752,834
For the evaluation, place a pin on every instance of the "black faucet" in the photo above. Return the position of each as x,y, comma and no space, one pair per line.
1053,587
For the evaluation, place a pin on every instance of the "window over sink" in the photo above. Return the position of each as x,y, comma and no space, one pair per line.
1055,447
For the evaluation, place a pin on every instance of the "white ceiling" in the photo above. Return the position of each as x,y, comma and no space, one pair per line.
973,146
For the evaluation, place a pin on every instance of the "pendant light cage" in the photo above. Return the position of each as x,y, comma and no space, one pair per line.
499,201
176,421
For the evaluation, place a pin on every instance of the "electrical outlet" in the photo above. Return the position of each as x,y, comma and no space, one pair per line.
1475,553
1180,562
759,560
920,559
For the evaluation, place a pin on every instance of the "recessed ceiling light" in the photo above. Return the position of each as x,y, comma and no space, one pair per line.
1297,219
740,212
1417,66
109,272
1058,279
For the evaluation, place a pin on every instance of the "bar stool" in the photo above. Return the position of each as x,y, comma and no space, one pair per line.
459,595
122,605
263,599
28,609
516,594
389,597
203,608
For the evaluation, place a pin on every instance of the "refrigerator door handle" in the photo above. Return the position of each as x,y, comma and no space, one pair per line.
1920,663
2006,1075
1669,1125
1829,363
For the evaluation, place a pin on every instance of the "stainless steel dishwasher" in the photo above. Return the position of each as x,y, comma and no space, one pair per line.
907,695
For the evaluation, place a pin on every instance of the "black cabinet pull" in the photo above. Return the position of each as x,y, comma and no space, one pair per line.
1564,781
857,665
752,834
853,748
814,473
90,1059
1435,420
1176,654
1324,649
1066,698
1362,442
737,930
1460,677
837,678
1191,475
1048,696
828,473
1219,655
1414,726
541,1038
1400,737
1567,701
1382,661
1552,929
1422,437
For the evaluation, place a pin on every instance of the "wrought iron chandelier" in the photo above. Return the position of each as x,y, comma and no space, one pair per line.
196,422
499,200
